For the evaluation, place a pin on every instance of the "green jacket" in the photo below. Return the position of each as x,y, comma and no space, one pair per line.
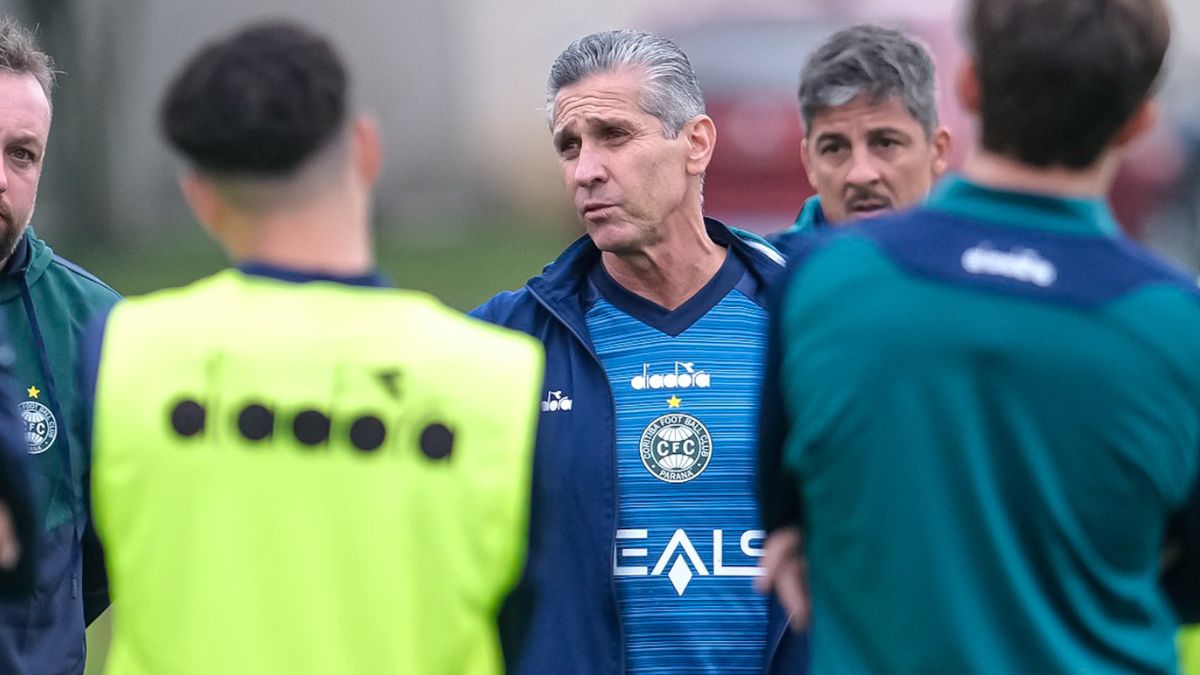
47,303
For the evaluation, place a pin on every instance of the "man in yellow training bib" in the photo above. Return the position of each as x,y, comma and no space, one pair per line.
290,476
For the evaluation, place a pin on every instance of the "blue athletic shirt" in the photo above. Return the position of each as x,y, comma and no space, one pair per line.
686,385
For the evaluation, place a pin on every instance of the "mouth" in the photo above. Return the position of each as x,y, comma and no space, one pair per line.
867,208
597,210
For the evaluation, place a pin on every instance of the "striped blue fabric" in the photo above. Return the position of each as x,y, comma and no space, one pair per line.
689,533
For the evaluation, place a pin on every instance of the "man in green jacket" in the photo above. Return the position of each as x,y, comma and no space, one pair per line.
872,141
45,304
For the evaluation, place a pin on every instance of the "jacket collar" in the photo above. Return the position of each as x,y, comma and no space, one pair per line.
562,285
811,217
29,261
1065,215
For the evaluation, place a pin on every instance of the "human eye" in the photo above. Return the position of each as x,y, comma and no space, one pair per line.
568,148
614,134
23,155
831,147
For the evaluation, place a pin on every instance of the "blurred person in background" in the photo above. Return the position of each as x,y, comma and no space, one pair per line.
872,140
872,145
45,305
291,474
645,534
991,405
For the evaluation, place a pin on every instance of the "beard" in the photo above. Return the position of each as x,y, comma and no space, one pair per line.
10,233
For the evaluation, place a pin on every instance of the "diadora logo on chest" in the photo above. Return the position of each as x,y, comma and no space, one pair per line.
556,401
1021,264
690,377
685,561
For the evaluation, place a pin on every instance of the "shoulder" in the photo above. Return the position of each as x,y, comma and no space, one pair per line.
61,271
507,308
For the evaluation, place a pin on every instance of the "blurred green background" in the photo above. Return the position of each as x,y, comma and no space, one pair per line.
464,265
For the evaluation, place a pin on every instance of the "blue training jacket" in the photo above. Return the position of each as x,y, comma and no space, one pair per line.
563,615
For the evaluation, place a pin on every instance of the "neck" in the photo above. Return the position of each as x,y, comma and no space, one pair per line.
671,270
325,237
998,171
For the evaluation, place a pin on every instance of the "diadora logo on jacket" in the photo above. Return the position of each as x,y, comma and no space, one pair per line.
690,377
1022,264
685,561
555,401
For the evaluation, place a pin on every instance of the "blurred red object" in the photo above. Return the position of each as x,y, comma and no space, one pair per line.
749,70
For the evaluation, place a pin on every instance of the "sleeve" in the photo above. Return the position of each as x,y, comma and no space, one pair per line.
779,499
95,576
16,487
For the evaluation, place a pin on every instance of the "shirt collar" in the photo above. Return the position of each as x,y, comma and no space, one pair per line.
374,278
1065,215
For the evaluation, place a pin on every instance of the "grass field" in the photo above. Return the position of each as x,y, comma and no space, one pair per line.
462,265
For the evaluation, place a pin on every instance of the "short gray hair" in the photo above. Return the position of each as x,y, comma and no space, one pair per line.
873,61
19,54
670,91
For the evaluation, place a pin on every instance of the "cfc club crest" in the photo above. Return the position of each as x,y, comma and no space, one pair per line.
676,448
41,429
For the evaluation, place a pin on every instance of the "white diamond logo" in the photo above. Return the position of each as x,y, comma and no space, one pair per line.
680,575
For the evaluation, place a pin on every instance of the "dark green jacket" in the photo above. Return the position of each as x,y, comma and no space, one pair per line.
46,304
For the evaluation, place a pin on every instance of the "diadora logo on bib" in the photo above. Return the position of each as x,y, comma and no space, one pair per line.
1022,264
685,561
555,401
690,377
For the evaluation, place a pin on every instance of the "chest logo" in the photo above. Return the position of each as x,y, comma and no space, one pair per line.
555,401
688,378
675,448
41,428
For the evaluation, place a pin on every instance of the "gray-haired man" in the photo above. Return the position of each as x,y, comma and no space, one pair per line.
872,139
644,531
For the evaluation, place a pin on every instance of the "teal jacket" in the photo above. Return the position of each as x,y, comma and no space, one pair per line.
46,304
810,219
990,408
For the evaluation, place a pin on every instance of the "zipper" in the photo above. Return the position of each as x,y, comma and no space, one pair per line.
55,405
777,639
612,581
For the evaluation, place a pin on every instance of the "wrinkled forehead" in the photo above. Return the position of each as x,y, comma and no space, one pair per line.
24,107
598,96
863,114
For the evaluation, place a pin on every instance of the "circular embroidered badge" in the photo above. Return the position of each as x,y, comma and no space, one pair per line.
41,428
676,448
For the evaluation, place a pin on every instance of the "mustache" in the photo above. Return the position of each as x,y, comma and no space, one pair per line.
860,196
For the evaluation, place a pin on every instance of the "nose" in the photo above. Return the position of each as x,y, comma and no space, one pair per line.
590,166
863,170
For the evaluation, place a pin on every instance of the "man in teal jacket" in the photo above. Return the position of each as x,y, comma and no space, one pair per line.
990,406
45,305
872,140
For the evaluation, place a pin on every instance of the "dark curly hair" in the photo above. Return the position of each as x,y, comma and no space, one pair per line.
259,102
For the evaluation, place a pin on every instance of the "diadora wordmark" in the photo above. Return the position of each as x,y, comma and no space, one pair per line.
555,401
690,377
1021,264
